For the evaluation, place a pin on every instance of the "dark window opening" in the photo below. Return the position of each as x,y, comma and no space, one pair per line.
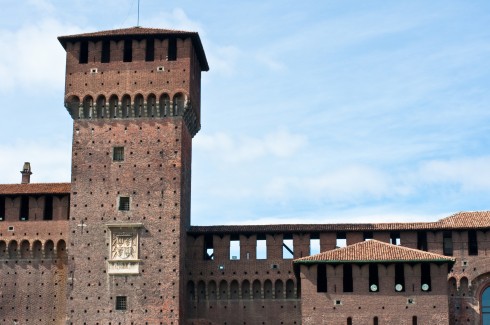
172,49
373,277
447,243
2,208
124,203
150,50
121,303
83,58
208,247
414,320
425,279
399,277
349,320
395,238
321,278
106,52
24,208
128,51
472,241
375,320
348,282
367,235
48,208
422,241
118,154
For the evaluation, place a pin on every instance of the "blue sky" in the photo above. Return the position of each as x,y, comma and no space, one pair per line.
324,111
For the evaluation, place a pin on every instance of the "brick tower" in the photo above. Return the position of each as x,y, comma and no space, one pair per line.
134,96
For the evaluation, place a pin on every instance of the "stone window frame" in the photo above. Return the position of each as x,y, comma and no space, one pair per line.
124,265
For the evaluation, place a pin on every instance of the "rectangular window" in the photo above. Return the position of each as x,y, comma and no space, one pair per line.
172,49
341,240
314,244
121,303
150,50
106,52
321,278
261,249
128,51
347,279
287,246
2,208
399,277
118,154
447,243
367,235
422,241
373,277
234,247
425,279
83,55
24,208
124,203
208,247
472,241
395,238
48,207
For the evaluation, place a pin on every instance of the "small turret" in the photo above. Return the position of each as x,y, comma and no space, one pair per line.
26,173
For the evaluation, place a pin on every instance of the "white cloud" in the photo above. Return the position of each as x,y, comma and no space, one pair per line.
281,144
34,59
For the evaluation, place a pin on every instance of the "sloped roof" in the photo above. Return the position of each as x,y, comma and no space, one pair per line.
35,188
469,219
373,251
140,32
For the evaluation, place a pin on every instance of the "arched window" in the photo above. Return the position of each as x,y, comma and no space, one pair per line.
164,105
126,106
414,320
290,289
223,290
151,104
375,320
349,320
201,291
73,106
268,289
37,249
113,106
245,289
13,249
279,290
257,294
178,103
88,103
61,249
485,306
48,249
191,290
234,294
138,106
100,106
212,290
3,249
24,249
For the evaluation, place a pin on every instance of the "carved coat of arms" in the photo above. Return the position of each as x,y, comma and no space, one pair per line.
123,247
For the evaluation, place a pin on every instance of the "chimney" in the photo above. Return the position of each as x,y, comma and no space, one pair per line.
26,173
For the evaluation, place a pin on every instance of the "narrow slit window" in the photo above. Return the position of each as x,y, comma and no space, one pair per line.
261,250
315,244
234,247
349,320
447,244
83,55
287,247
106,52
399,277
341,240
373,277
24,208
150,50
347,278
172,49
422,241
2,208
425,279
375,320
414,320
124,203
121,303
48,208
321,278
118,154
128,51
208,247
472,241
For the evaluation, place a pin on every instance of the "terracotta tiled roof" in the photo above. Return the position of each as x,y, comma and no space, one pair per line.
140,32
373,251
35,188
461,220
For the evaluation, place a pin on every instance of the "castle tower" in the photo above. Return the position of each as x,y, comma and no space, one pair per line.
134,96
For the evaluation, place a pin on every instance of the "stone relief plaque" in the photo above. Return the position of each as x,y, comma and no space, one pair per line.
123,249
